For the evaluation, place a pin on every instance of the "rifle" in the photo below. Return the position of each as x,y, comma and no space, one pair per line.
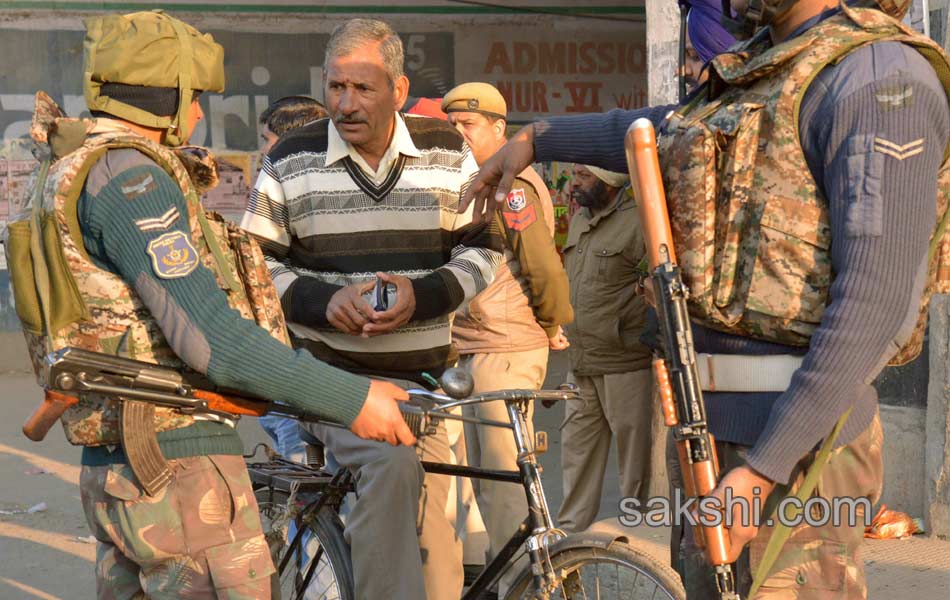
72,371
141,387
677,378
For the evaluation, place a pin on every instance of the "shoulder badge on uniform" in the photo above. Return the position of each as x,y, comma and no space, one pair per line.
173,255
163,222
899,151
521,220
894,97
136,187
517,199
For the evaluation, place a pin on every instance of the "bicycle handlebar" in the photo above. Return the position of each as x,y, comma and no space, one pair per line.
444,403
418,417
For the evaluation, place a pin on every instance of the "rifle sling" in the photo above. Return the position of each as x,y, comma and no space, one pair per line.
141,445
781,531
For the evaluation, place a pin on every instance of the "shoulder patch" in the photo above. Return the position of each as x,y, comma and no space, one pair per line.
172,255
112,164
138,186
517,199
899,151
519,221
158,223
895,97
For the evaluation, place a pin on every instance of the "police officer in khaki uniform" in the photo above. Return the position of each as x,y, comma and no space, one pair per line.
603,256
505,332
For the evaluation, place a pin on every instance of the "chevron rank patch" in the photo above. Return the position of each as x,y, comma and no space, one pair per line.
172,255
898,151
159,223
522,219
141,185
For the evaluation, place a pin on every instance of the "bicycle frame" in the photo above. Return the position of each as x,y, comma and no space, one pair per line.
536,533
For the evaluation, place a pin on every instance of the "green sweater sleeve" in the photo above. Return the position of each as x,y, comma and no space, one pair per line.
137,227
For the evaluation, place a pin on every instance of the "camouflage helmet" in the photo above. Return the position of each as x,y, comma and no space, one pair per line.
761,13
149,49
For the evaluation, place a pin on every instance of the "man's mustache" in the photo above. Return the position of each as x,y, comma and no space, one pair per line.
349,121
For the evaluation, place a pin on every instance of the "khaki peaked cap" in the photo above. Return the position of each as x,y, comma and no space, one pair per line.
476,97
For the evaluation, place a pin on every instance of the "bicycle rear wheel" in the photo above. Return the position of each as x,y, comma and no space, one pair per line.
323,542
616,572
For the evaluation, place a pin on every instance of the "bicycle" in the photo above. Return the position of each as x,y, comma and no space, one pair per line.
313,562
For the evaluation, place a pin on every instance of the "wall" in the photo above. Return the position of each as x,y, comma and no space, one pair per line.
557,58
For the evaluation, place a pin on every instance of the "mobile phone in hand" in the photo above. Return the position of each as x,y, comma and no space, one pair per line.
382,297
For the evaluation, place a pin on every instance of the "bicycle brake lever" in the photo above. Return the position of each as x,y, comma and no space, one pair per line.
418,420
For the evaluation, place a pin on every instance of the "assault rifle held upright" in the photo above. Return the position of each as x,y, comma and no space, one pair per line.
677,378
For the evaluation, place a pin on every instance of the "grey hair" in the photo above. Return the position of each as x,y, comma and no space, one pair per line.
352,34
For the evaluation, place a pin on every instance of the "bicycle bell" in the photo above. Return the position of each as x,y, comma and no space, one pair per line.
457,383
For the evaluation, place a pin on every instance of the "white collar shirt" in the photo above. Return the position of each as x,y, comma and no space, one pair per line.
338,149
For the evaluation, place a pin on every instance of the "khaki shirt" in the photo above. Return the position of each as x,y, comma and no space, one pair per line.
528,299
603,256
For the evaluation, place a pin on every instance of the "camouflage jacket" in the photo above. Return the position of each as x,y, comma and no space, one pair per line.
91,308
751,227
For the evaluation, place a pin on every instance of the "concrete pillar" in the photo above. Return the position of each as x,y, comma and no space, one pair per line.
939,16
937,474
663,26
918,17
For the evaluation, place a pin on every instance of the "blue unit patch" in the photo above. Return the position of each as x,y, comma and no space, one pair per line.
172,255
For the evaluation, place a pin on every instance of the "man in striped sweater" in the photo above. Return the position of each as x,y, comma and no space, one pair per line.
370,194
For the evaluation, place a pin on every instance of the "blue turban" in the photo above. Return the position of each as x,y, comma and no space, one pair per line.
707,34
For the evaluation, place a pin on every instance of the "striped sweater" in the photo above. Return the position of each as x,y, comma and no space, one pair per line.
325,223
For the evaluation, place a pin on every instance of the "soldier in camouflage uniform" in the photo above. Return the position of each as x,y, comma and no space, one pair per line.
115,254
807,184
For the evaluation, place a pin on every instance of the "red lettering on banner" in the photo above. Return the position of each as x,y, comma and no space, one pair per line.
565,58
526,58
540,97
588,65
552,58
498,57
579,92
605,58
623,100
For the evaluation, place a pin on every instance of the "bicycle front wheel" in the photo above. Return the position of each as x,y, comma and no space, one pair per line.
322,550
616,572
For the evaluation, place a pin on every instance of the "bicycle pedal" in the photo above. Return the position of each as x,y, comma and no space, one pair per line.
540,442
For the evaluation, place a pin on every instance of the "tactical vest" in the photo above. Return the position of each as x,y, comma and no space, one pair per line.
94,309
751,228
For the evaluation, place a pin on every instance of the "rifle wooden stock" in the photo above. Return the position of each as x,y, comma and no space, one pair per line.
236,405
46,414
644,164
677,379
667,401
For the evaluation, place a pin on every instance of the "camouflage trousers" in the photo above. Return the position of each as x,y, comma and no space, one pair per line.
816,563
200,537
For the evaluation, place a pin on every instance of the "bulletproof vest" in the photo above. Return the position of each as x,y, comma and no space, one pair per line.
91,308
750,225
